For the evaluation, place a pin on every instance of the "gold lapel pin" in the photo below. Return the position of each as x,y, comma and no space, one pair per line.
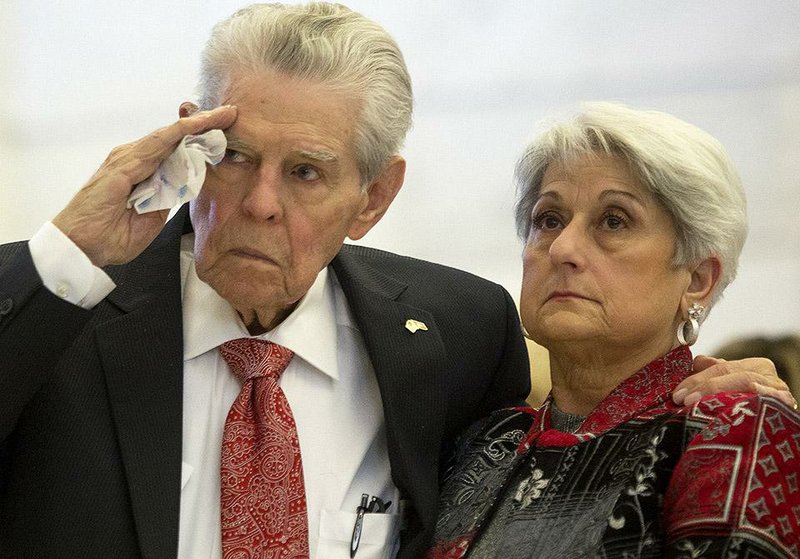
414,325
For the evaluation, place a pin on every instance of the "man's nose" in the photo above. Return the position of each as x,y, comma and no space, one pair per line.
264,197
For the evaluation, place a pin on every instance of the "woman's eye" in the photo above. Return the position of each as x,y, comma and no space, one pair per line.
546,221
614,221
306,173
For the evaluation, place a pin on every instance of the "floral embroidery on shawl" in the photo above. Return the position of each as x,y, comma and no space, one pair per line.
642,478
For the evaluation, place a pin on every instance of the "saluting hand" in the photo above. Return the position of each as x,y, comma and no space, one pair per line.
97,218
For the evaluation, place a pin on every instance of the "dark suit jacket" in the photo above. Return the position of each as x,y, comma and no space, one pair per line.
90,401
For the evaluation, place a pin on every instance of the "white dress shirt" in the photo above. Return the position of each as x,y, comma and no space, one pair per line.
330,385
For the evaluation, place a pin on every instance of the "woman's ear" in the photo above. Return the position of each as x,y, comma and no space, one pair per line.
703,282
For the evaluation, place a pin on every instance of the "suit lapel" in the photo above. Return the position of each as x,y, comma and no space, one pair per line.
410,369
142,355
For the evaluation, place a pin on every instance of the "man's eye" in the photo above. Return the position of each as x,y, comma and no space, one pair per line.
306,173
233,156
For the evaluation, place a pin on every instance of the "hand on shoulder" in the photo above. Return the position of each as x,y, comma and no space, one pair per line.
713,376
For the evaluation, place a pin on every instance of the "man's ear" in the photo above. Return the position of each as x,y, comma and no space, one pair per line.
702,284
380,194
187,109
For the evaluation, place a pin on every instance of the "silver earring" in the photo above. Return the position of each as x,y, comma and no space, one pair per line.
688,330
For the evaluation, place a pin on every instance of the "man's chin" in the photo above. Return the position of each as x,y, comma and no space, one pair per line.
242,280
244,295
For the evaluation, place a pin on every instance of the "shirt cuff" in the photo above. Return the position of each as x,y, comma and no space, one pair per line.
65,269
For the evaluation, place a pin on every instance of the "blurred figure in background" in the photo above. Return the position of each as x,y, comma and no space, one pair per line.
783,351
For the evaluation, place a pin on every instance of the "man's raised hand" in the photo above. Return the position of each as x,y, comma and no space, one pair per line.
97,218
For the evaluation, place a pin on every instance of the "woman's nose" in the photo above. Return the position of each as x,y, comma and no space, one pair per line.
569,246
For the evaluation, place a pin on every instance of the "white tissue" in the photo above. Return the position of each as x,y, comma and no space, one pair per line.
180,176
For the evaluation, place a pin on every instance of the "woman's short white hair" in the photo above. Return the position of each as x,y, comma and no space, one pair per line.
688,171
325,43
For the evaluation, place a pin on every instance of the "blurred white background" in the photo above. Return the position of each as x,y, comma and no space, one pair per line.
79,77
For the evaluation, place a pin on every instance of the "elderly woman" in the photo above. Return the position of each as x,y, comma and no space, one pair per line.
633,223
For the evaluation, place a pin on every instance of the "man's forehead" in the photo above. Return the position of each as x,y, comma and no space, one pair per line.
312,119
268,82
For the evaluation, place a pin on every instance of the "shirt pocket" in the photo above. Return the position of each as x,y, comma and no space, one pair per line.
379,535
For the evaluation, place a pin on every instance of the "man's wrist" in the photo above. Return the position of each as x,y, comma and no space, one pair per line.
66,270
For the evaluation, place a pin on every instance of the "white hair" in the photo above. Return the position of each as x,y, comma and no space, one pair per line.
688,171
328,44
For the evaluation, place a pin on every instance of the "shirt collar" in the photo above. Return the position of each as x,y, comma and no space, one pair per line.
209,320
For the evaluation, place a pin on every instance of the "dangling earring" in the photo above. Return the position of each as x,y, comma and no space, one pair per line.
688,330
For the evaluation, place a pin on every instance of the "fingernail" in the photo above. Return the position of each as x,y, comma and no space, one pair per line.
692,399
679,394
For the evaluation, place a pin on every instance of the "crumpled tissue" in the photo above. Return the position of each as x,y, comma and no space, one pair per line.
180,176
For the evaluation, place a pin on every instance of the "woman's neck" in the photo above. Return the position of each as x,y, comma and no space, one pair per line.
582,378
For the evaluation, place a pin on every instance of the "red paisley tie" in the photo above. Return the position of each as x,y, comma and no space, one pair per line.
263,494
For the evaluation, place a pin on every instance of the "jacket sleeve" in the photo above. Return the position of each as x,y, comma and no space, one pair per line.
511,383
36,328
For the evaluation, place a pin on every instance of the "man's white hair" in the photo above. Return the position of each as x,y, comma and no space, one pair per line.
325,43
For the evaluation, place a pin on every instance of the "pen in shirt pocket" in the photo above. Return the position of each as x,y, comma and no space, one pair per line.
366,506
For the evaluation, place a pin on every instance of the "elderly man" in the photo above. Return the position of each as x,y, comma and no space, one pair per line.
239,382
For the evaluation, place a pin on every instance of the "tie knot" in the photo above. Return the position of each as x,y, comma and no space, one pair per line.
249,358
